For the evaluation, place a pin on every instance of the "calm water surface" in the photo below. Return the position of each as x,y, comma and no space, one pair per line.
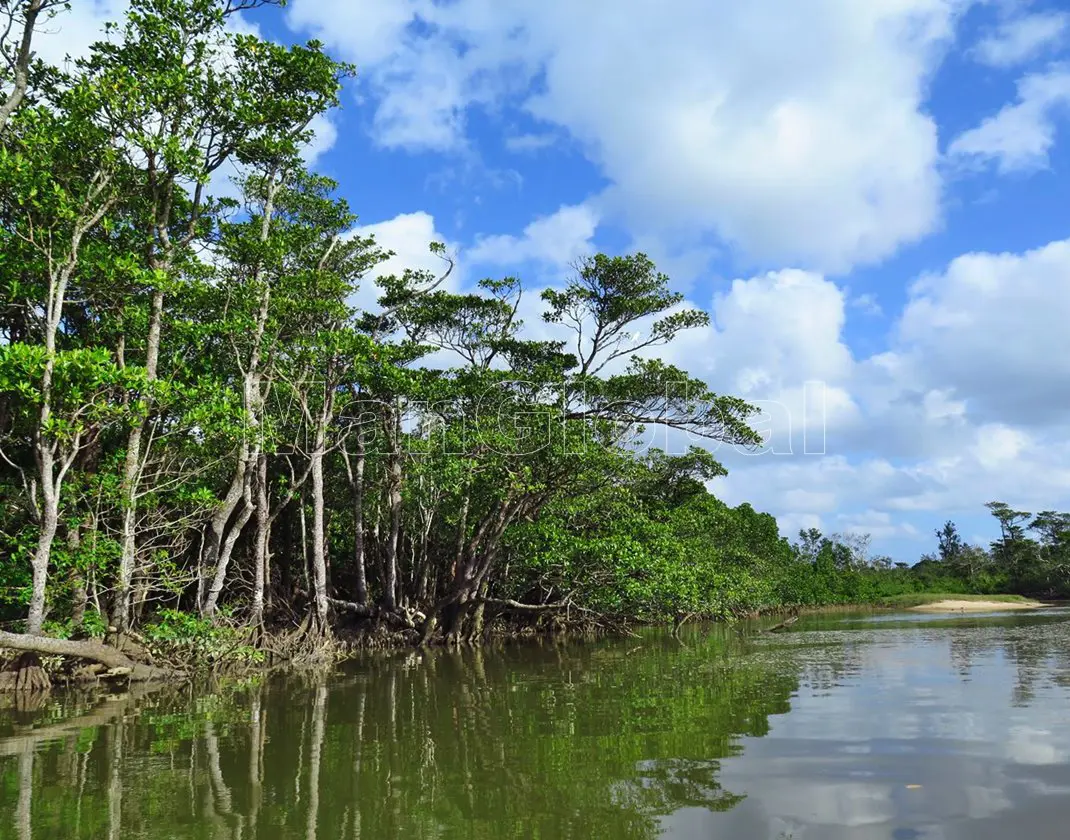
900,727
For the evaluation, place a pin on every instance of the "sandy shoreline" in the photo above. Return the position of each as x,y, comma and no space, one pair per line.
976,606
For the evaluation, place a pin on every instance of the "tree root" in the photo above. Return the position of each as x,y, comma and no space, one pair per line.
25,674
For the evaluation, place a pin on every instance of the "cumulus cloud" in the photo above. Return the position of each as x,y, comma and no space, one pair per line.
991,327
1020,136
70,33
794,131
784,326
965,405
1020,39
776,340
557,239
408,236
324,136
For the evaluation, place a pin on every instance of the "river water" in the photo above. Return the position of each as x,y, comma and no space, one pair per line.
858,726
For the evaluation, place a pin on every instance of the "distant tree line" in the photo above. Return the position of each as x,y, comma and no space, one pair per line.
1030,556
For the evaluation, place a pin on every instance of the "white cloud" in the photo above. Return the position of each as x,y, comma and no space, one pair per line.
371,30
784,326
557,239
867,304
998,446
70,33
526,143
992,328
879,524
408,236
795,131
966,405
324,136
1020,136
776,340
1022,38
939,407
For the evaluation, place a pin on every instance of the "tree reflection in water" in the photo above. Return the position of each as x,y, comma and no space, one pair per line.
553,740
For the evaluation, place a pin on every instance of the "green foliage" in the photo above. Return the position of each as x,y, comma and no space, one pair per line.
176,634
173,626
94,625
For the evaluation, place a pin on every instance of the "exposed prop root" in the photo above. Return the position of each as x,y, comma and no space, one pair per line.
25,674
306,646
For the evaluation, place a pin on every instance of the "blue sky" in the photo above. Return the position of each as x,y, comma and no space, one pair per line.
870,195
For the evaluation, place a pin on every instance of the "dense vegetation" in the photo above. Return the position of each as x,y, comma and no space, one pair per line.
198,428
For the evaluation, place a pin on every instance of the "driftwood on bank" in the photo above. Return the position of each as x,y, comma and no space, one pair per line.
108,656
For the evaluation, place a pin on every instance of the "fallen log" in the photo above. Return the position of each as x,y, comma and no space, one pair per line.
784,625
91,651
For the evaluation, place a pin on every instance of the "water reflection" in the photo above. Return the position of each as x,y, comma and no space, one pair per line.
846,728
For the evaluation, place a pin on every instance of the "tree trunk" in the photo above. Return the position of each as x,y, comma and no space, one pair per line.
120,616
132,473
319,547
305,578
377,544
454,617
262,541
356,481
223,564
41,558
23,58
51,480
475,629
394,478
421,556
79,597
217,528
